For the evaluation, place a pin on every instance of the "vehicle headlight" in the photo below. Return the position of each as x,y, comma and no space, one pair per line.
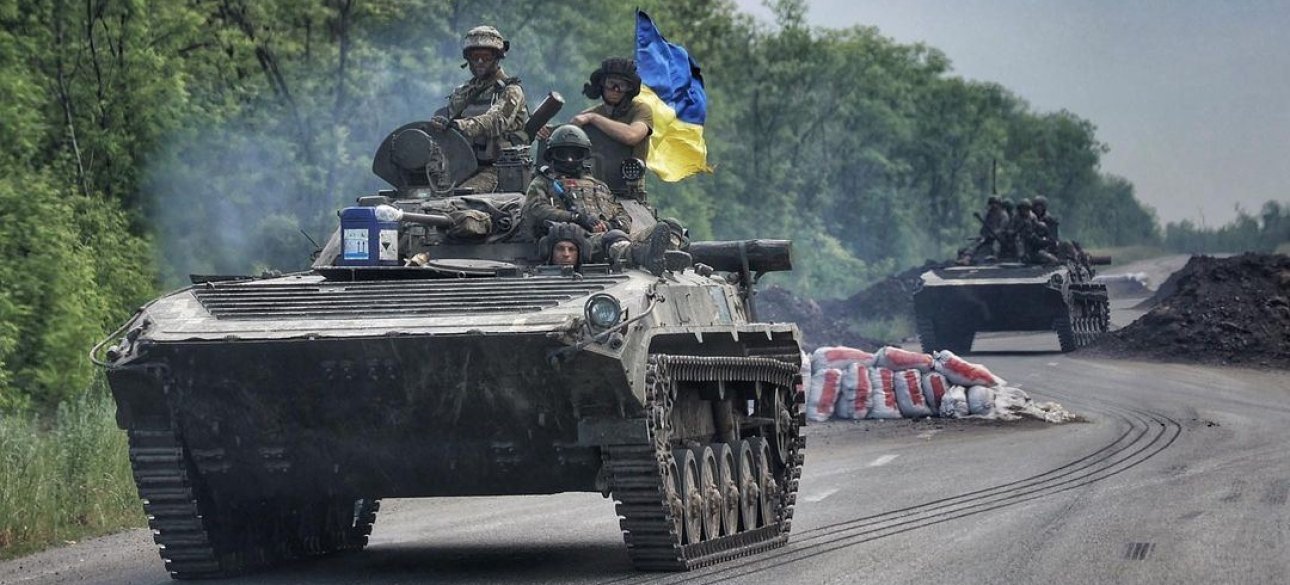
603,311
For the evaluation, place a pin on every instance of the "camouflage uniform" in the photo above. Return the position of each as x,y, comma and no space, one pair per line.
585,200
491,112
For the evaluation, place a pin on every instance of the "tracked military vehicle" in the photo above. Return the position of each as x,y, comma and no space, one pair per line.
268,416
952,304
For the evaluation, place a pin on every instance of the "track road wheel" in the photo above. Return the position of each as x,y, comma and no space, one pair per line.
749,488
687,486
765,480
710,489
727,475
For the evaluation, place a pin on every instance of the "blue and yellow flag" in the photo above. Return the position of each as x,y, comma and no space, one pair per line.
672,87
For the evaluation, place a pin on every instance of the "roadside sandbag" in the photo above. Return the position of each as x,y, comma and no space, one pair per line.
909,394
954,403
840,357
980,400
823,395
882,394
894,358
853,403
1014,403
962,372
934,387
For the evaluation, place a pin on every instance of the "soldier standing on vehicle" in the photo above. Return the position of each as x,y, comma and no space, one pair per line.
566,193
619,116
489,110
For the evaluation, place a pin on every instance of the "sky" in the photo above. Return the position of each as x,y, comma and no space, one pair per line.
1191,96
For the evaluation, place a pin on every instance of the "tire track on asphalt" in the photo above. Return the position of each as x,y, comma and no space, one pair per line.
1146,435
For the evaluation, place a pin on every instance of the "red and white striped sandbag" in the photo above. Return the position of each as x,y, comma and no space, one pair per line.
822,396
840,357
934,387
854,401
882,394
964,373
894,358
909,394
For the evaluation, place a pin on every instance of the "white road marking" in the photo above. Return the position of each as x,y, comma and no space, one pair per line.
928,434
819,496
885,459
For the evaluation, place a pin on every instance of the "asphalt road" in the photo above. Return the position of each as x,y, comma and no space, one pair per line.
1180,474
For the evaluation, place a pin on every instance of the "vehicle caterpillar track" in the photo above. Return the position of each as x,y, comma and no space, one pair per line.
685,505
197,541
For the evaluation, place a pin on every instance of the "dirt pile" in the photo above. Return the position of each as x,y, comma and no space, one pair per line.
1232,310
890,297
819,326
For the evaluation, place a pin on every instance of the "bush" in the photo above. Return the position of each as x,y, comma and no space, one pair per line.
65,477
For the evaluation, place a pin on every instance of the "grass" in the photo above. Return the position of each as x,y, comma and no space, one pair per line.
64,478
1283,248
890,330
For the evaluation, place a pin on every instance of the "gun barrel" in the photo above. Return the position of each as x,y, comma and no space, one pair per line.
430,219
1099,260
546,110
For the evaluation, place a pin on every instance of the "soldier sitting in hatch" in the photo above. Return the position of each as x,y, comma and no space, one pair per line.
564,192
565,244
489,109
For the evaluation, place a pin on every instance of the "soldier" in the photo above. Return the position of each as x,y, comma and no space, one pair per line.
992,228
565,193
489,109
619,116
1041,213
1033,240
565,244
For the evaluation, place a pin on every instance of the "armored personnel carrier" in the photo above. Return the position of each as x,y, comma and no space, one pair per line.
430,352
952,304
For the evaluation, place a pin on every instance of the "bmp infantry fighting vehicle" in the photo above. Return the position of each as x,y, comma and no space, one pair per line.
431,352
952,304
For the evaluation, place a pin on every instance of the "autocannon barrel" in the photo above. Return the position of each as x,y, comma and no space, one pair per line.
430,219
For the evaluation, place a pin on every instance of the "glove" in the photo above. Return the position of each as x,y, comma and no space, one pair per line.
440,123
585,221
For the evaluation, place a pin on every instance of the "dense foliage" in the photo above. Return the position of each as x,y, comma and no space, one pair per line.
149,140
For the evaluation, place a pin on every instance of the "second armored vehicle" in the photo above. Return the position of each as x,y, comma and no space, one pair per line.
953,304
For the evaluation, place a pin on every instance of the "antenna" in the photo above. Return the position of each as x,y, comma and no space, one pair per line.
994,176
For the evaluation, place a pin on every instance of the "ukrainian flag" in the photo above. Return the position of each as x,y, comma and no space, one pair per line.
672,87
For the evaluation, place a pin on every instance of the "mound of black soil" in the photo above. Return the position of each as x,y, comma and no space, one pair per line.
890,297
1232,310
819,326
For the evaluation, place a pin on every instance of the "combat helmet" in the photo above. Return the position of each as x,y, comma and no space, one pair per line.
567,149
561,232
1040,201
485,37
617,66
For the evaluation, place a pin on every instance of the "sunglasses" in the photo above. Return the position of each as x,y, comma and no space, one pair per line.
618,86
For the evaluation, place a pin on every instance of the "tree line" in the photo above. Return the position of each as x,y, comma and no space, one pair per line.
148,140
